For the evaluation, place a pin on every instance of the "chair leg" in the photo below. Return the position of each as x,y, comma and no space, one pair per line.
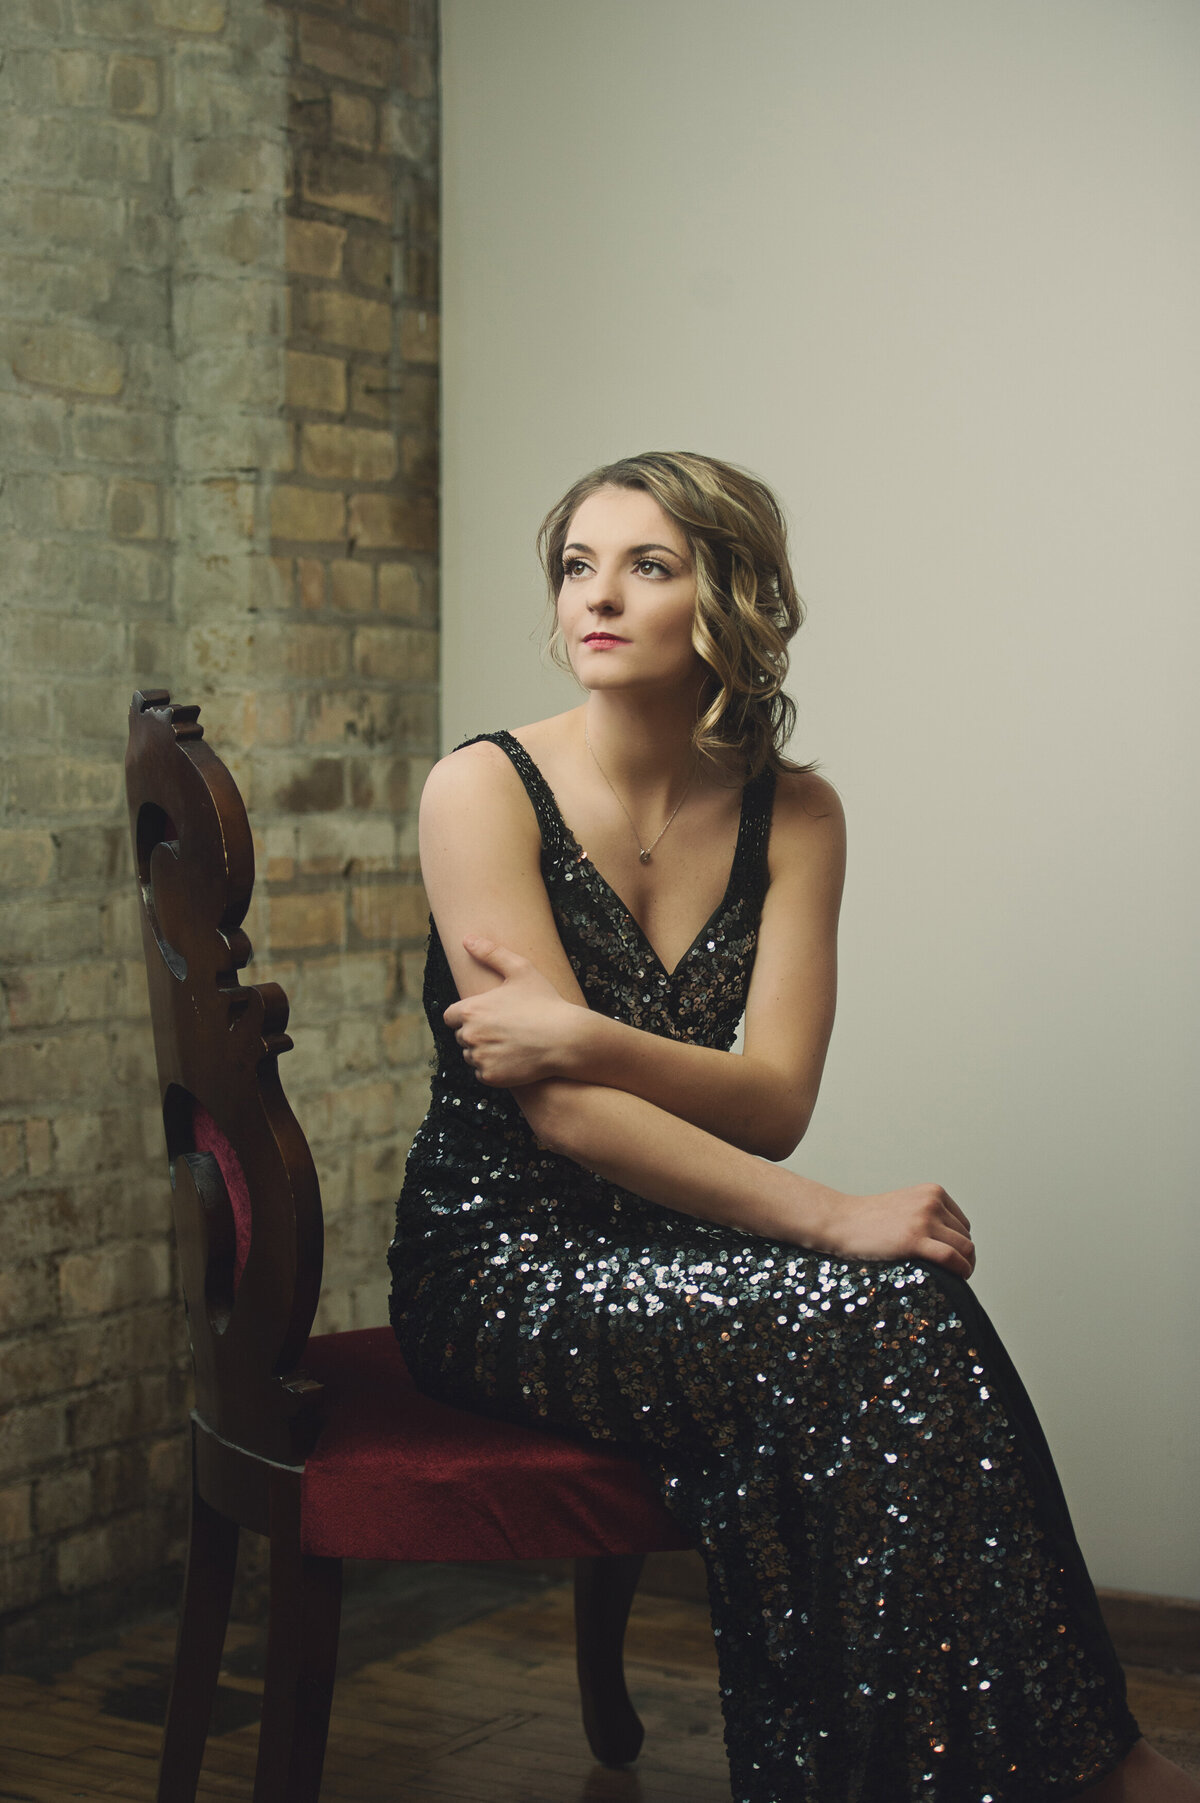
604,1590
204,1615
302,1640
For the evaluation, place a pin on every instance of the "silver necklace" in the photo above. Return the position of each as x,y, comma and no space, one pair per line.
643,850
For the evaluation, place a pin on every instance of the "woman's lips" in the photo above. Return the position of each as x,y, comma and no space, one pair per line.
601,639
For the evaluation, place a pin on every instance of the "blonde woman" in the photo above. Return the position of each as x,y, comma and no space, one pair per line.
595,1233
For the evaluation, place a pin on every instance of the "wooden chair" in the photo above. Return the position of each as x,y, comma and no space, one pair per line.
323,1444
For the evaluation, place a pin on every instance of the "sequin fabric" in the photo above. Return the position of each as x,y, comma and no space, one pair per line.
900,1607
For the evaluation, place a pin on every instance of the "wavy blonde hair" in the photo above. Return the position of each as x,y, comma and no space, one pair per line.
747,608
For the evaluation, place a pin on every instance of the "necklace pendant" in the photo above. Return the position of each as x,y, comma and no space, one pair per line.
643,857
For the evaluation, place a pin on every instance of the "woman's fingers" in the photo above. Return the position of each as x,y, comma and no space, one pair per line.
940,1252
957,1212
960,1245
497,957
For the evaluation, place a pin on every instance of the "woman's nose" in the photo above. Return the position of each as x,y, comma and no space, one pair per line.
605,596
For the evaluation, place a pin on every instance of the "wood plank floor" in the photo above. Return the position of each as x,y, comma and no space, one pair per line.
444,1695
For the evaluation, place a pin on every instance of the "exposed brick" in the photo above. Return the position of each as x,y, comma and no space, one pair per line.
26,858
399,590
31,426
78,77
350,716
150,418
396,654
308,651
68,358
406,1039
389,521
23,1579
305,785
38,1147
113,18
190,15
419,336
134,85
113,437
107,1553
357,56
62,1500
345,319
95,1283
307,513
316,383
353,120
406,133
167,1465
237,164
315,248
120,1411
372,390
28,1294
53,785
32,1437
310,584
12,1149
53,930
389,910
369,259
134,509
356,453
351,586
345,183
415,71
297,920
16,1513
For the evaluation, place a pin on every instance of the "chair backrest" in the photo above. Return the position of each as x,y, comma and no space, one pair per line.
246,1200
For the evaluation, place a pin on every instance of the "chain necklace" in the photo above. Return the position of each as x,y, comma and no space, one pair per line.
643,850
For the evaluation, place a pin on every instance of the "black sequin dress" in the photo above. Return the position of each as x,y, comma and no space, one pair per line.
900,1606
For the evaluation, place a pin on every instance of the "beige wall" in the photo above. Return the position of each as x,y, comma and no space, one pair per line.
931,270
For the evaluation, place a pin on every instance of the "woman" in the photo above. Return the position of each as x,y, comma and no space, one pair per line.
589,1235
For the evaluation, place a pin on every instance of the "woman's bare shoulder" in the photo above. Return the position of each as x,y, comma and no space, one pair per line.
469,776
482,773
809,819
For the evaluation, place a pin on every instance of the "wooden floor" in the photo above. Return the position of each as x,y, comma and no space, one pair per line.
451,1695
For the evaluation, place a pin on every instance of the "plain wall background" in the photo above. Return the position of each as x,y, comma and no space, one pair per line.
931,270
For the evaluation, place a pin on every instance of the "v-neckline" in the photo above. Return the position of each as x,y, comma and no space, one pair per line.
586,857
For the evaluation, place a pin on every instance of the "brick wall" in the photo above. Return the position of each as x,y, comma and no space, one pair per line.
218,447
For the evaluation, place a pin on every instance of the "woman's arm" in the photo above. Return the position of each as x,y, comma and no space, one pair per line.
761,1100
480,859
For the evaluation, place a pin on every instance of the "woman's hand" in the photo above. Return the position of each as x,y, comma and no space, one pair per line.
922,1222
520,1032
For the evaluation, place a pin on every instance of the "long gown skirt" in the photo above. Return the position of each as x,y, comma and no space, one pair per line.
900,1605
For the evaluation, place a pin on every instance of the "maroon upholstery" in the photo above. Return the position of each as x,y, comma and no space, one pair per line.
209,1138
398,1476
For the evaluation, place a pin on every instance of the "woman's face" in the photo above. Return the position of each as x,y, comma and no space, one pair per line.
627,596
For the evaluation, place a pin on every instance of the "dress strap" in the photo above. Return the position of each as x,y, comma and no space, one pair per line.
541,795
754,834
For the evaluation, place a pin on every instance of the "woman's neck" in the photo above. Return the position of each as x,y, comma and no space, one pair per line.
643,744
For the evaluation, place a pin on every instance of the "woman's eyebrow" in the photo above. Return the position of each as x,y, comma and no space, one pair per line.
632,551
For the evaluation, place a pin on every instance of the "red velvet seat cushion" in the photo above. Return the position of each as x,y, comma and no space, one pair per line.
398,1476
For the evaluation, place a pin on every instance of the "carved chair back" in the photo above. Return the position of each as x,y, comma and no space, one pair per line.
246,1200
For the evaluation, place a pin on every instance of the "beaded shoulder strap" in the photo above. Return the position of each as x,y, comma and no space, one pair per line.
754,837
541,796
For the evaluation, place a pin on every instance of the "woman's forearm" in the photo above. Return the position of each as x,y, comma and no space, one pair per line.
668,1160
743,1100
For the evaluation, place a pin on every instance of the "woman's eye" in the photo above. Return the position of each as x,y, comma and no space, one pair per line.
572,566
650,566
